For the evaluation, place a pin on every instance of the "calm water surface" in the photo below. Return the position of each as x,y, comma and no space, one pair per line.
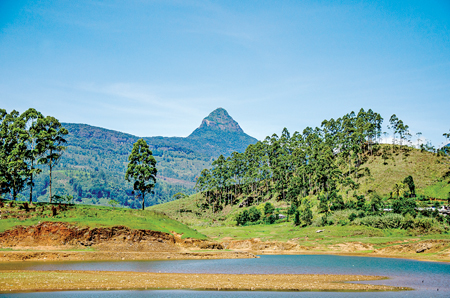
429,279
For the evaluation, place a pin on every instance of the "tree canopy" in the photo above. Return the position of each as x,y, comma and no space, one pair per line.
141,169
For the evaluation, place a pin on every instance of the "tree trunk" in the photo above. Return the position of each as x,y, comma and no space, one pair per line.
31,188
31,184
143,201
50,181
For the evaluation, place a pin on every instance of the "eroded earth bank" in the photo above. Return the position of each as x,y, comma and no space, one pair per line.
63,241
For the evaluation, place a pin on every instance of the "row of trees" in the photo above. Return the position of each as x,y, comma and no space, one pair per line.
312,162
28,140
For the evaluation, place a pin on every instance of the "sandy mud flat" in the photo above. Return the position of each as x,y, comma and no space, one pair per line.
11,256
25,280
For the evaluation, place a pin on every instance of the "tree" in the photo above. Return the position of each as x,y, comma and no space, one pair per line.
306,215
34,121
113,203
141,169
268,208
404,206
399,189
51,143
12,153
409,181
393,121
447,136
297,218
254,214
179,195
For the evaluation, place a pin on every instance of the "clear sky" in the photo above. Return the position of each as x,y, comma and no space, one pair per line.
159,67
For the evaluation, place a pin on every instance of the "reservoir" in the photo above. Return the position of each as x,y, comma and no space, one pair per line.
429,279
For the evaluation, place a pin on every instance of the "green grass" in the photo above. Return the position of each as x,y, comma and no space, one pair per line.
97,216
426,168
309,238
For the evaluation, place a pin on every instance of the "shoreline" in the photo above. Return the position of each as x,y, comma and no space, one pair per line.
30,280
55,255
422,258
61,256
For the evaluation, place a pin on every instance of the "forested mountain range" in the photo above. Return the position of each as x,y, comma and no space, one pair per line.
93,166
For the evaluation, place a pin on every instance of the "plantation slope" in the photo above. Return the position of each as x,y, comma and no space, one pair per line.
96,216
426,168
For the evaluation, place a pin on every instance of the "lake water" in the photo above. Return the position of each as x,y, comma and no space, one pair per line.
429,279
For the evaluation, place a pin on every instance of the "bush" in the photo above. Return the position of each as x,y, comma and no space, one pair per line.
254,214
340,215
387,221
242,218
268,208
396,221
306,216
424,223
408,222
251,215
271,219
297,218
343,222
404,206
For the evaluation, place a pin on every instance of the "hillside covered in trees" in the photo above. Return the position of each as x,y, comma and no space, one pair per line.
92,167
325,175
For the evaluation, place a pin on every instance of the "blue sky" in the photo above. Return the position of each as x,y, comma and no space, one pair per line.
159,67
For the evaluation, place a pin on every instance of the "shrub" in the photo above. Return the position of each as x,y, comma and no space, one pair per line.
404,206
254,214
242,218
271,219
268,208
387,221
408,222
297,218
343,222
337,216
306,216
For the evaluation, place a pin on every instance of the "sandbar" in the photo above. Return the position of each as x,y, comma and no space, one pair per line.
29,280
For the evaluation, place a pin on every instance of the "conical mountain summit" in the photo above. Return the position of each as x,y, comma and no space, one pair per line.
221,133
219,119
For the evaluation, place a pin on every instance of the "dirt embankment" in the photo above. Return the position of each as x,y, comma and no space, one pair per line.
51,240
257,245
426,246
292,246
58,235
415,249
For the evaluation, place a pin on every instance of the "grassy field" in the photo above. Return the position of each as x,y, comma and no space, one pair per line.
426,168
96,216
308,236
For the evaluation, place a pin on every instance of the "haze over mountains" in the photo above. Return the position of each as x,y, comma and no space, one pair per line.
92,168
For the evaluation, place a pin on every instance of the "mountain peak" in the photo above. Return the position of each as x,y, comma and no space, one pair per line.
219,119
219,130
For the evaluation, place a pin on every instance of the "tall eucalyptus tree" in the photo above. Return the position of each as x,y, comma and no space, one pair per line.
34,122
51,143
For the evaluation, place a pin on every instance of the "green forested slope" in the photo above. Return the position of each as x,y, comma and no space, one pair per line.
337,168
93,166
